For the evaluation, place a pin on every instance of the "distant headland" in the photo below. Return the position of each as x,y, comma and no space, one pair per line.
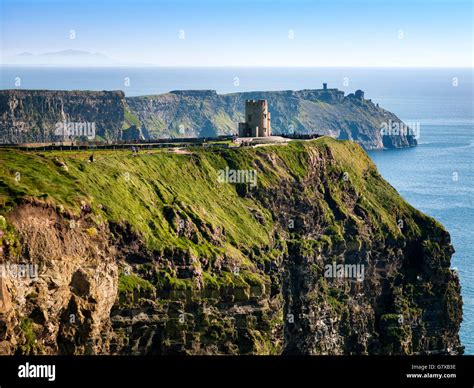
33,115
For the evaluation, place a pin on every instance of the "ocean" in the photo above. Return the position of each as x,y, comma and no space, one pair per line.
436,177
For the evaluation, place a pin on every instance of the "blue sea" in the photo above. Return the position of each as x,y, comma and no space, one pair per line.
436,177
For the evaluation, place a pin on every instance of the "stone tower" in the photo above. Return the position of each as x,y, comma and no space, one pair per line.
359,94
257,120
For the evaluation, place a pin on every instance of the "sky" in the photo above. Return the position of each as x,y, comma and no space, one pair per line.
277,33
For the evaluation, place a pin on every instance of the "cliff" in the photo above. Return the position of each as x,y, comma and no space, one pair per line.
325,112
33,116
161,254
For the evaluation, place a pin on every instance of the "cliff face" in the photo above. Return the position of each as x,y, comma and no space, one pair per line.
161,254
33,116
325,112
39,115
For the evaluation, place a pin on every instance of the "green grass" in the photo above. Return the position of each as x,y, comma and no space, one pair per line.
138,190
132,282
27,328
131,119
132,287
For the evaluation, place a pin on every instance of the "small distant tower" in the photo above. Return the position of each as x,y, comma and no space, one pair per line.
325,86
359,94
257,120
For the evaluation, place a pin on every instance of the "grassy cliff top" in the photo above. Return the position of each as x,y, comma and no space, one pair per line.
155,190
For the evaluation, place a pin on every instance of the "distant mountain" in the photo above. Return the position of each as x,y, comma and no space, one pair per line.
64,57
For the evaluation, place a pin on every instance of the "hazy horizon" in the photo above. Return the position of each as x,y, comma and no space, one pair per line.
238,33
230,66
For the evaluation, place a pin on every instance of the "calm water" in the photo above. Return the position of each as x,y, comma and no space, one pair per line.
435,177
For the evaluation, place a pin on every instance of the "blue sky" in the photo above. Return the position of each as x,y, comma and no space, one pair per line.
415,33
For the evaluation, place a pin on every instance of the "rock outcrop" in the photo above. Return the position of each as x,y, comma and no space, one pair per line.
155,254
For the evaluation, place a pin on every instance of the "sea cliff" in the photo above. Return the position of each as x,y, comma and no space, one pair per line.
34,116
157,254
